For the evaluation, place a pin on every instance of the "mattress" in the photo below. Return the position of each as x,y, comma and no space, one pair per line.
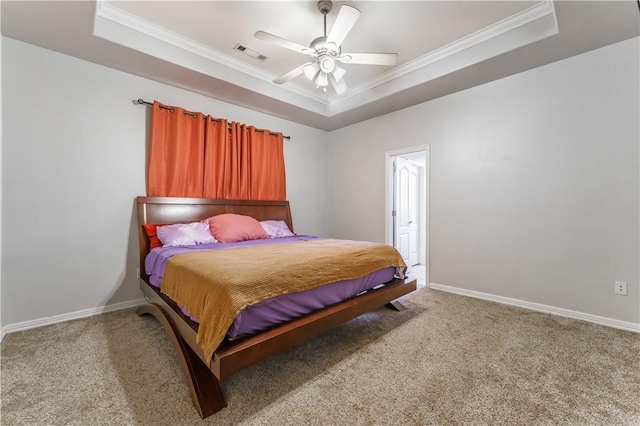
278,309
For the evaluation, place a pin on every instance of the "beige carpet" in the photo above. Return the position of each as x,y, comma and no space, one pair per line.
446,360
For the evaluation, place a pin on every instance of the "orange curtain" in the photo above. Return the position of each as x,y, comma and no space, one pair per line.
216,150
176,153
237,183
193,155
266,153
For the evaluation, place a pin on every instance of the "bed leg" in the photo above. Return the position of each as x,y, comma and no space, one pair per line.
203,385
396,305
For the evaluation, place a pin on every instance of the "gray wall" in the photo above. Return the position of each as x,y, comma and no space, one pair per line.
74,150
1,133
534,183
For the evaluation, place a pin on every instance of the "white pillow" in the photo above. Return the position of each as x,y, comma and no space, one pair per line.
276,228
185,234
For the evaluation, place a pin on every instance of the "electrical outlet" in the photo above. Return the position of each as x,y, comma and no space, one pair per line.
620,288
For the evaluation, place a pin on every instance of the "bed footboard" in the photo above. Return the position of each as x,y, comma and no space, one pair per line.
204,387
203,377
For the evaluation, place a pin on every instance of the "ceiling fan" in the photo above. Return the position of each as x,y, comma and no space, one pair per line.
326,51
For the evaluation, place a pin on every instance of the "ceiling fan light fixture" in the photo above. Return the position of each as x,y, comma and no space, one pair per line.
311,70
338,73
322,80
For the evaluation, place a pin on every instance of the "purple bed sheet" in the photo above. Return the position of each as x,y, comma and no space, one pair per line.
278,309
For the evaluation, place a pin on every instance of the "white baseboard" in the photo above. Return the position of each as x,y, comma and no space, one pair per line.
41,322
609,322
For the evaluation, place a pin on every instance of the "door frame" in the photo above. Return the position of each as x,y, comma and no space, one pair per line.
425,202
408,195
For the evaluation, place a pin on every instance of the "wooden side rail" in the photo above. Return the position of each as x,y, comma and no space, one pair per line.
203,376
241,354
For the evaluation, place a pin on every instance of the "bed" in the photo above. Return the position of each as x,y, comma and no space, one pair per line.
203,373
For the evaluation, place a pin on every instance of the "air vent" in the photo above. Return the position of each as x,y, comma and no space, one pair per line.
250,52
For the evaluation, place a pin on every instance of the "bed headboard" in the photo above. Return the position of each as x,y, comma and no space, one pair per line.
167,210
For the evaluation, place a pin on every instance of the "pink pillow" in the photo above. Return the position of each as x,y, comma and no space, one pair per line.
230,228
185,234
276,228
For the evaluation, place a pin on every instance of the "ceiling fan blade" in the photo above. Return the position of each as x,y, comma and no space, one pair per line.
283,42
369,58
344,22
291,74
339,85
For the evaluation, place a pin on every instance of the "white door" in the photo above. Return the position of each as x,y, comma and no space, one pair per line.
407,185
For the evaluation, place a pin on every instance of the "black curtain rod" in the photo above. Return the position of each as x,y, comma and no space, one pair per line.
143,102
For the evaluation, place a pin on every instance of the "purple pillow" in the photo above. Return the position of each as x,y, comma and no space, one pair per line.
276,229
185,234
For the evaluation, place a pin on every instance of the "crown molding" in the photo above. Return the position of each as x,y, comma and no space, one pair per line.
528,26
108,11
480,37
121,27
118,26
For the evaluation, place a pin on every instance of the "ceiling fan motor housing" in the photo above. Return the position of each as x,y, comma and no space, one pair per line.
325,54
321,47
324,6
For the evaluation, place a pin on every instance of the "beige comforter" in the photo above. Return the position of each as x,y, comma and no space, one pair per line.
215,285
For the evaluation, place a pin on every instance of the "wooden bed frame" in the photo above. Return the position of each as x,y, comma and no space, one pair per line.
203,375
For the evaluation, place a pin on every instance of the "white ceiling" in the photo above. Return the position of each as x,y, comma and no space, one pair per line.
442,46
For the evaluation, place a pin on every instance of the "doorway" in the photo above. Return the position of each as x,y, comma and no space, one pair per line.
407,208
